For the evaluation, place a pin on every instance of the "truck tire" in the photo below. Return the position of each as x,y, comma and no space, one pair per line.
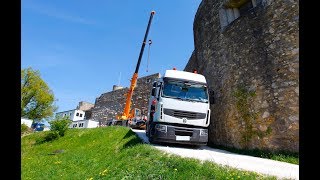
151,140
147,130
150,135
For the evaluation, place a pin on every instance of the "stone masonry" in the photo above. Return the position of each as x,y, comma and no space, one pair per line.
252,64
86,107
109,104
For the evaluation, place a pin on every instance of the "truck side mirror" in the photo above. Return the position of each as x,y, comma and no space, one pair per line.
153,92
154,84
211,96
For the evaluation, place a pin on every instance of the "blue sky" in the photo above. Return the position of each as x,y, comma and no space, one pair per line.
83,48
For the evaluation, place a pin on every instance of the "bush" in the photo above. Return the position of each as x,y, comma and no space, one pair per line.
51,136
25,129
60,125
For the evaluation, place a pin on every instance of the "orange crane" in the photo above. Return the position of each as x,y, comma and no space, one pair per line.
123,119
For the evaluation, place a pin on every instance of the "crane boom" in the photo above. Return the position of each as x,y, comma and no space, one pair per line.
126,112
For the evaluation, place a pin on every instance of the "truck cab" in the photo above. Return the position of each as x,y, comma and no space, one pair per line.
179,109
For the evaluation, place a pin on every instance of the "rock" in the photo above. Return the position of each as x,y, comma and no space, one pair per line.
58,151
264,104
265,114
294,118
263,128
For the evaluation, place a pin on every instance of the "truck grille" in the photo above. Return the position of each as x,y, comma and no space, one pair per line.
183,132
184,114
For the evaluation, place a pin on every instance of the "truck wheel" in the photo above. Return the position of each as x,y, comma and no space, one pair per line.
151,140
150,129
147,129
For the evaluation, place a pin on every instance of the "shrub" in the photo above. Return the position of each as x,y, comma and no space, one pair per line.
25,129
60,125
51,136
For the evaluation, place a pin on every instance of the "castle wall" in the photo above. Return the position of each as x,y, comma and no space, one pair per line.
252,64
109,104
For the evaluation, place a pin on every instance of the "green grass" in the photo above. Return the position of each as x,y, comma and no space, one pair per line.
113,153
283,156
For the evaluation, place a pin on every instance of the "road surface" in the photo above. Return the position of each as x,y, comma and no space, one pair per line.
281,170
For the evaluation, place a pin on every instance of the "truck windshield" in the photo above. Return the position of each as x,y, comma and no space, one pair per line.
185,91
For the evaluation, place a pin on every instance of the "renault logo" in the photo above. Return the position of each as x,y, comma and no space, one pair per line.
184,120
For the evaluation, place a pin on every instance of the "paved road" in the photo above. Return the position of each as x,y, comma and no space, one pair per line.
279,169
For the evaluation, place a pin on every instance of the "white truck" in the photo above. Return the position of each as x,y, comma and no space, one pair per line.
179,109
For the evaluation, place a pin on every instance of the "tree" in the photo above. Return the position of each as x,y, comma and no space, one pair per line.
36,97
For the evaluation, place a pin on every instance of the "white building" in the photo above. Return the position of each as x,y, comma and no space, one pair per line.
77,117
74,114
84,124
26,121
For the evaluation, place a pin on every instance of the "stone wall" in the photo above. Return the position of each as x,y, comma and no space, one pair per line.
109,104
84,106
253,67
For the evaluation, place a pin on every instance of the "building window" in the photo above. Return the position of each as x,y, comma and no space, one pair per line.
77,114
81,125
75,125
148,80
70,114
64,115
80,115
233,9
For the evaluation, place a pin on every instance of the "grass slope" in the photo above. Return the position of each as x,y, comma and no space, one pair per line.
112,153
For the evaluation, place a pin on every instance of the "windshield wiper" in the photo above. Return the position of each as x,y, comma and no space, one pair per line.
198,100
174,97
187,99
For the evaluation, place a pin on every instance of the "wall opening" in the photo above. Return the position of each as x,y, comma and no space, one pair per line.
233,9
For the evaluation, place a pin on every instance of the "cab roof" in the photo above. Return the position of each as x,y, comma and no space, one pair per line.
185,76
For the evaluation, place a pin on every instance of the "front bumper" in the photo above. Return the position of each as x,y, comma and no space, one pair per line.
180,135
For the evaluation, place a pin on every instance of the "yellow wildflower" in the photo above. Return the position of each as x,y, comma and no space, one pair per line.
104,172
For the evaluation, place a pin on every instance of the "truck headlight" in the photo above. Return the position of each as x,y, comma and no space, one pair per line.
203,132
162,128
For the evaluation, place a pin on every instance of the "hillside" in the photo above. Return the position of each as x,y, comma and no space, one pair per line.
112,152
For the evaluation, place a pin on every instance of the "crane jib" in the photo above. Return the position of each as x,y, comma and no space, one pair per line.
144,42
126,111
